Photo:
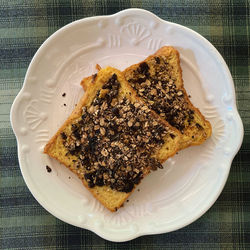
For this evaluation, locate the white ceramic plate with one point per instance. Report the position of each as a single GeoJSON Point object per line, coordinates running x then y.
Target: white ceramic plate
{"type": "Point", "coordinates": [168, 199]}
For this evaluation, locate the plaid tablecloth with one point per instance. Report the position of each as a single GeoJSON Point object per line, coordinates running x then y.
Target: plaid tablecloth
{"type": "Point", "coordinates": [24, 25]}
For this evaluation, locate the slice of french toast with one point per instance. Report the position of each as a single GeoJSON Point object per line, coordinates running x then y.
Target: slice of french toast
{"type": "Point", "coordinates": [112, 140]}
{"type": "Point", "coordinates": [158, 81]}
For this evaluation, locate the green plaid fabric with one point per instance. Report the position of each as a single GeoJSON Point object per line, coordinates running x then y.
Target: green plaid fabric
{"type": "Point", "coordinates": [24, 25]}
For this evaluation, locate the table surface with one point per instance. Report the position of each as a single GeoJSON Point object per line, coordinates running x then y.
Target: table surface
{"type": "Point", "coordinates": [24, 25]}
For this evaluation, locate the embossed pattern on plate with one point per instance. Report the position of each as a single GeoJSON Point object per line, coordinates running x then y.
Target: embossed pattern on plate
{"type": "Point", "coordinates": [167, 199]}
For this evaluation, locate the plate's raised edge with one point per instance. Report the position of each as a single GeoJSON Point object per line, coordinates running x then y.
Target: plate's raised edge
{"type": "Point", "coordinates": [234, 111]}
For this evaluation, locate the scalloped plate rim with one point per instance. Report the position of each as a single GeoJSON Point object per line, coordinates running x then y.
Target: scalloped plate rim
{"type": "Point", "coordinates": [234, 111]}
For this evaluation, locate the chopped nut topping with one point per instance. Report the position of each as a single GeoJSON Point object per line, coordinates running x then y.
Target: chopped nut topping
{"type": "Point", "coordinates": [114, 140]}
{"type": "Point", "coordinates": [154, 82]}
{"type": "Point", "coordinates": [96, 127]}
{"type": "Point", "coordinates": [91, 109]}
{"type": "Point", "coordinates": [114, 102]}
{"type": "Point", "coordinates": [153, 92]}
{"type": "Point", "coordinates": [179, 93]}
{"type": "Point", "coordinates": [130, 123]}
{"type": "Point", "coordinates": [104, 152]}
{"type": "Point", "coordinates": [103, 131]}
{"type": "Point", "coordinates": [102, 121]}
{"type": "Point", "coordinates": [155, 123]}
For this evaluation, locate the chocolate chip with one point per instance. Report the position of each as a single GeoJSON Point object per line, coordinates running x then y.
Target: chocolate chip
{"type": "Point", "coordinates": [64, 94]}
{"type": "Point", "coordinates": [140, 80]}
{"type": "Point", "coordinates": [75, 150]}
{"type": "Point", "coordinates": [157, 60]}
{"type": "Point", "coordinates": [99, 182]}
{"type": "Point", "coordinates": [132, 107]}
{"type": "Point", "coordinates": [86, 162]}
{"type": "Point", "coordinates": [111, 82]}
{"type": "Point", "coordinates": [114, 137]}
{"type": "Point", "coordinates": [73, 127]}
{"type": "Point", "coordinates": [198, 126]}
{"type": "Point", "coordinates": [138, 178]}
{"type": "Point", "coordinates": [92, 143]}
{"type": "Point", "coordinates": [129, 185]}
{"type": "Point", "coordinates": [77, 134]}
{"type": "Point", "coordinates": [64, 136]}
{"type": "Point", "coordinates": [48, 169]}
{"type": "Point", "coordinates": [115, 111]}
{"type": "Point", "coordinates": [89, 178]}
{"type": "Point", "coordinates": [143, 68]}
{"type": "Point", "coordinates": [172, 136]}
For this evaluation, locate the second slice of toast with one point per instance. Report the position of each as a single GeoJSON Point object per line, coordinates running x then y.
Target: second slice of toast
{"type": "Point", "coordinates": [112, 140]}
{"type": "Point", "coordinates": [158, 81]}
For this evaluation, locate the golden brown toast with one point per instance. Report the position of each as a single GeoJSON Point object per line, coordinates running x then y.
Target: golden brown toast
{"type": "Point", "coordinates": [112, 140]}
{"type": "Point", "coordinates": [158, 81]}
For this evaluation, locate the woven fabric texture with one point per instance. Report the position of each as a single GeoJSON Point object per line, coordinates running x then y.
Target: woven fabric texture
{"type": "Point", "coordinates": [24, 26]}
